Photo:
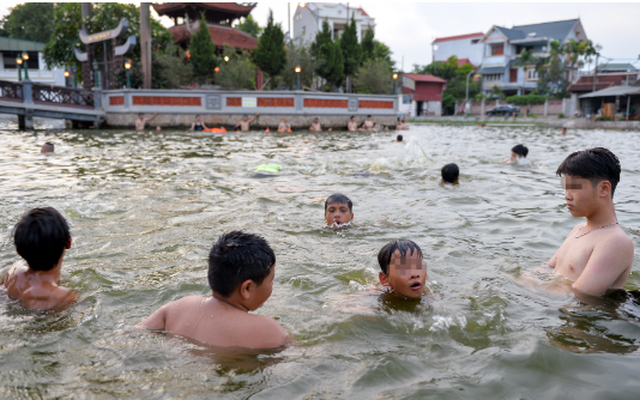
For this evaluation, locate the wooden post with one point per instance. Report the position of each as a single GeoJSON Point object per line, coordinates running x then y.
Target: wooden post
{"type": "Point", "coordinates": [145, 45]}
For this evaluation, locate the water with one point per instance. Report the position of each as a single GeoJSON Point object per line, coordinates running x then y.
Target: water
{"type": "Point", "coordinates": [144, 209]}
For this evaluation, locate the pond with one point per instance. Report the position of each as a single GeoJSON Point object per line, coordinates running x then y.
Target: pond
{"type": "Point", "coordinates": [144, 209]}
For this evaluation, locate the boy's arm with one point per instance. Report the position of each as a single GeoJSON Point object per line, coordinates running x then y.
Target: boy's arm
{"type": "Point", "coordinates": [156, 320]}
{"type": "Point", "coordinates": [254, 118]}
{"type": "Point", "coordinates": [193, 124]}
{"type": "Point", "coordinates": [151, 117]}
{"type": "Point", "coordinates": [611, 258]}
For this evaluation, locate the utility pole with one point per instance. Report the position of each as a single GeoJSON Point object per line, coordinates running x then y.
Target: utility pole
{"type": "Point", "coordinates": [145, 45]}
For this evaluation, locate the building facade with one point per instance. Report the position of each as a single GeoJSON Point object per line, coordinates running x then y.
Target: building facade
{"type": "Point", "coordinates": [502, 48]}
{"type": "Point", "coordinates": [467, 46]}
{"type": "Point", "coordinates": [10, 49]}
{"type": "Point", "coordinates": [308, 18]}
{"type": "Point", "coordinates": [421, 94]}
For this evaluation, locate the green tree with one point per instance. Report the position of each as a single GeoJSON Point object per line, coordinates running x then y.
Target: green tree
{"type": "Point", "coordinates": [203, 52]}
{"type": "Point", "coordinates": [270, 54]}
{"type": "Point", "coordinates": [552, 71]}
{"type": "Point", "coordinates": [332, 63]}
{"type": "Point", "coordinates": [29, 21]}
{"type": "Point", "coordinates": [525, 60]}
{"type": "Point", "coordinates": [322, 37]}
{"type": "Point", "coordinates": [250, 26]}
{"type": "Point", "coordinates": [445, 70]}
{"type": "Point", "coordinates": [67, 21]}
{"type": "Point", "coordinates": [351, 49]}
{"type": "Point", "coordinates": [373, 49]}
{"type": "Point", "coordinates": [237, 73]}
{"type": "Point", "coordinates": [374, 77]}
{"type": "Point", "coordinates": [298, 54]}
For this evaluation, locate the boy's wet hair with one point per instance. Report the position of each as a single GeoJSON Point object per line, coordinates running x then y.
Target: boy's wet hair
{"type": "Point", "coordinates": [49, 147]}
{"type": "Point", "coordinates": [338, 198]}
{"type": "Point", "coordinates": [450, 173]}
{"type": "Point", "coordinates": [520, 150]}
{"type": "Point", "coordinates": [40, 237]}
{"type": "Point", "coordinates": [404, 246]}
{"type": "Point", "coordinates": [399, 138]}
{"type": "Point", "coordinates": [595, 164]}
{"type": "Point", "coordinates": [236, 257]}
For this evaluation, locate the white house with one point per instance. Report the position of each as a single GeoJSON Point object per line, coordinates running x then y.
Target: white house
{"type": "Point", "coordinates": [502, 47]}
{"type": "Point", "coordinates": [308, 18]}
{"type": "Point", "coordinates": [467, 46]}
{"type": "Point", "coordinates": [10, 49]}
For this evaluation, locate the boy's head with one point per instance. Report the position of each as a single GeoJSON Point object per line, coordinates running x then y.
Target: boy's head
{"type": "Point", "coordinates": [399, 138]}
{"type": "Point", "coordinates": [48, 147]}
{"type": "Point", "coordinates": [450, 173]}
{"type": "Point", "coordinates": [338, 209]}
{"type": "Point", "coordinates": [403, 268]}
{"type": "Point", "coordinates": [596, 165]}
{"type": "Point", "coordinates": [368, 117]}
{"type": "Point", "coordinates": [316, 120]}
{"type": "Point", "coordinates": [520, 150]}
{"type": "Point", "coordinates": [239, 259]}
{"type": "Point", "coordinates": [141, 115]}
{"type": "Point", "coordinates": [41, 236]}
{"type": "Point", "coordinates": [353, 118]}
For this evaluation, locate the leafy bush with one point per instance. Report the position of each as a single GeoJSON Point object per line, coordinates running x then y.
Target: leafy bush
{"type": "Point", "coordinates": [526, 99]}
{"type": "Point", "coordinates": [561, 115]}
{"type": "Point", "coordinates": [237, 73]}
{"type": "Point", "coordinates": [533, 115]}
{"type": "Point", "coordinates": [374, 77]}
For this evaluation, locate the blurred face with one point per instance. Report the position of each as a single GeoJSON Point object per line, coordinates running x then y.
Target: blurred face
{"type": "Point", "coordinates": [263, 291]}
{"type": "Point", "coordinates": [315, 121]}
{"type": "Point", "coordinates": [407, 275]}
{"type": "Point", "coordinates": [245, 118]}
{"type": "Point", "coordinates": [579, 194]}
{"type": "Point", "coordinates": [286, 119]}
{"type": "Point", "coordinates": [338, 214]}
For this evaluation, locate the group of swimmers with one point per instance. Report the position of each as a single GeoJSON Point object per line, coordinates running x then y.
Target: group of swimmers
{"type": "Point", "coordinates": [596, 256]}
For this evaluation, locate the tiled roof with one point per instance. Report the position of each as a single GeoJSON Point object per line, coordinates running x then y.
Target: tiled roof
{"type": "Point", "coordinates": [364, 14]}
{"type": "Point", "coordinates": [467, 36]}
{"type": "Point", "coordinates": [219, 36]}
{"type": "Point", "coordinates": [463, 61]}
{"type": "Point", "coordinates": [424, 78]}
{"type": "Point", "coordinates": [555, 30]}
{"type": "Point", "coordinates": [587, 87]}
{"type": "Point", "coordinates": [617, 66]}
{"type": "Point", "coordinates": [222, 11]}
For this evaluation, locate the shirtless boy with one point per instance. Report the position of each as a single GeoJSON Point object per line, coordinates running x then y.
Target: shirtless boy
{"type": "Point", "coordinates": [450, 173]}
{"type": "Point", "coordinates": [141, 121]}
{"type": "Point", "coordinates": [315, 125]}
{"type": "Point", "coordinates": [338, 210]}
{"type": "Point", "coordinates": [241, 272]}
{"type": "Point", "coordinates": [597, 255]}
{"type": "Point", "coordinates": [368, 124]}
{"type": "Point", "coordinates": [352, 125]}
{"type": "Point", "coordinates": [244, 124]}
{"type": "Point", "coordinates": [518, 153]}
{"type": "Point", "coordinates": [41, 238]}
{"type": "Point", "coordinates": [284, 125]}
{"type": "Point", "coordinates": [198, 125]}
{"type": "Point", "coordinates": [403, 269]}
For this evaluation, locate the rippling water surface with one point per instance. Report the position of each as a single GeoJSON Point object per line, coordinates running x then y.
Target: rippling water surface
{"type": "Point", "coordinates": [145, 208]}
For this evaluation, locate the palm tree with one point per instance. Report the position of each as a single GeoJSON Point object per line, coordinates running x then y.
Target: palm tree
{"type": "Point", "coordinates": [526, 58]}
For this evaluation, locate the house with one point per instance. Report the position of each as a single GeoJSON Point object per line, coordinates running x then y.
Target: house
{"type": "Point", "coordinates": [502, 46]}
{"type": "Point", "coordinates": [38, 72]}
{"type": "Point", "coordinates": [219, 17]}
{"type": "Point", "coordinates": [466, 47]}
{"type": "Point", "coordinates": [308, 19]}
{"type": "Point", "coordinates": [421, 94]}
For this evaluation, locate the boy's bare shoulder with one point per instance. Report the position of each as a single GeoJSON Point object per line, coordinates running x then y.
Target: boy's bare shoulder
{"type": "Point", "coordinates": [270, 330]}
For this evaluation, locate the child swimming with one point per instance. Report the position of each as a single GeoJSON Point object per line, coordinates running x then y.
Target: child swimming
{"type": "Point", "coordinates": [241, 272]}
{"type": "Point", "coordinates": [338, 210]}
{"type": "Point", "coordinates": [403, 268]}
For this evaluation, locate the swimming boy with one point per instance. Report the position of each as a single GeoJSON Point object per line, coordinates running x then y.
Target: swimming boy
{"type": "Point", "coordinates": [338, 210]}
{"type": "Point", "coordinates": [241, 272]}
{"type": "Point", "coordinates": [198, 125]}
{"type": "Point", "coordinates": [518, 154]}
{"type": "Point", "coordinates": [284, 125]}
{"type": "Point", "coordinates": [141, 121]}
{"type": "Point", "coordinates": [403, 269]}
{"type": "Point", "coordinates": [244, 124]}
{"type": "Point", "coordinates": [450, 173]}
{"type": "Point", "coordinates": [315, 125]}
{"type": "Point", "coordinates": [352, 125]}
{"type": "Point", "coordinates": [399, 138]}
{"type": "Point", "coordinates": [48, 147]}
{"type": "Point", "coordinates": [368, 124]}
{"type": "Point", "coordinates": [41, 238]}
{"type": "Point", "coordinates": [597, 255]}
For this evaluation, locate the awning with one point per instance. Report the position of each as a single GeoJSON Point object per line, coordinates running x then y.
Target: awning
{"type": "Point", "coordinates": [7, 44]}
{"type": "Point", "coordinates": [614, 91]}
{"type": "Point", "coordinates": [491, 70]}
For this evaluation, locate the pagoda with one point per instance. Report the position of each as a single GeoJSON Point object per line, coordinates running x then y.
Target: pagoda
{"type": "Point", "coordinates": [219, 18]}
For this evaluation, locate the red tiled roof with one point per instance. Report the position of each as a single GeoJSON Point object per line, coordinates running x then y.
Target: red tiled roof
{"type": "Point", "coordinates": [587, 87]}
{"type": "Point", "coordinates": [362, 12]}
{"type": "Point", "coordinates": [468, 36]}
{"type": "Point", "coordinates": [214, 12]}
{"type": "Point", "coordinates": [463, 61]}
{"type": "Point", "coordinates": [425, 78]}
{"type": "Point", "coordinates": [219, 36]}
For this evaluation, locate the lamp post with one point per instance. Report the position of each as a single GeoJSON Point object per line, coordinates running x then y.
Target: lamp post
{"type": "Point", "coordinates": [75, 76]}
{"type": "Point", "coordinates": [127, 66]}
{"type": "Point", "coordinates": [466, 99]}
{"type": "Point", "coordinates": [95, 73]}
{"type": "Point", "coordinates": [19, 62]}
{"type": "Point", "coordinates": [66, 77]}
{"type": "Point", "coordinates": [395, 79]}
{"type": "Point", "coordinates": [25, 57]}
{"type": "Point", "coordinates": [298, 70]}
{"type": "Point", "coordinates": [226, 58]}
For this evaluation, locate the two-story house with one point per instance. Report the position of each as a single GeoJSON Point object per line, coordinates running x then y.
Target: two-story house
{"type": "Point", "coordinates": [466, 47]}
{"type": "Point", "coordinates": [308, 19]}
{"type": "Point", "coordinates": [502, 47]}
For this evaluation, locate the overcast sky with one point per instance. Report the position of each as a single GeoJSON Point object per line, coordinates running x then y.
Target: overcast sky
{"type": "Point", "coordinates": [408, 28]}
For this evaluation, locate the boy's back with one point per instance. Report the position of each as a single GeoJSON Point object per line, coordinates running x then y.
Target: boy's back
{"type": "Point", "coordinates": [212, 321]}
{"type": "Point", "coordinates": [34, 290]}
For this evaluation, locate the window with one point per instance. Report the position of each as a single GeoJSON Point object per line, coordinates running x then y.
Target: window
{"type": "Point", "coordinates": [497, 49]}
{"type": "Point", "coordinates": [532, 74]}
{"type": "Point", "coordinates": [475, 41]}
{"type": "Point", "coordinates": [513, 75]}
{"type": "Point", "coordinates": [493, 77]}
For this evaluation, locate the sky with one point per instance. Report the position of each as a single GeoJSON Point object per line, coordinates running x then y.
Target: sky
{"type": "Point", "coordinates": [408, 28]}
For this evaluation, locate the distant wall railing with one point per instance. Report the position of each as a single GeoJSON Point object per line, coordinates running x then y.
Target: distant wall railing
{"type": "Point", "coordinates": [246, 102]}
{"type": "Point", "coordinates": [11, 91]}
{"type": "Point", "coordinates": [62, 95]}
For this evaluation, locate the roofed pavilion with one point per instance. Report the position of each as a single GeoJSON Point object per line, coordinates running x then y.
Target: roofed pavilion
{"type": "Point", "coordinates": [219, 18]}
